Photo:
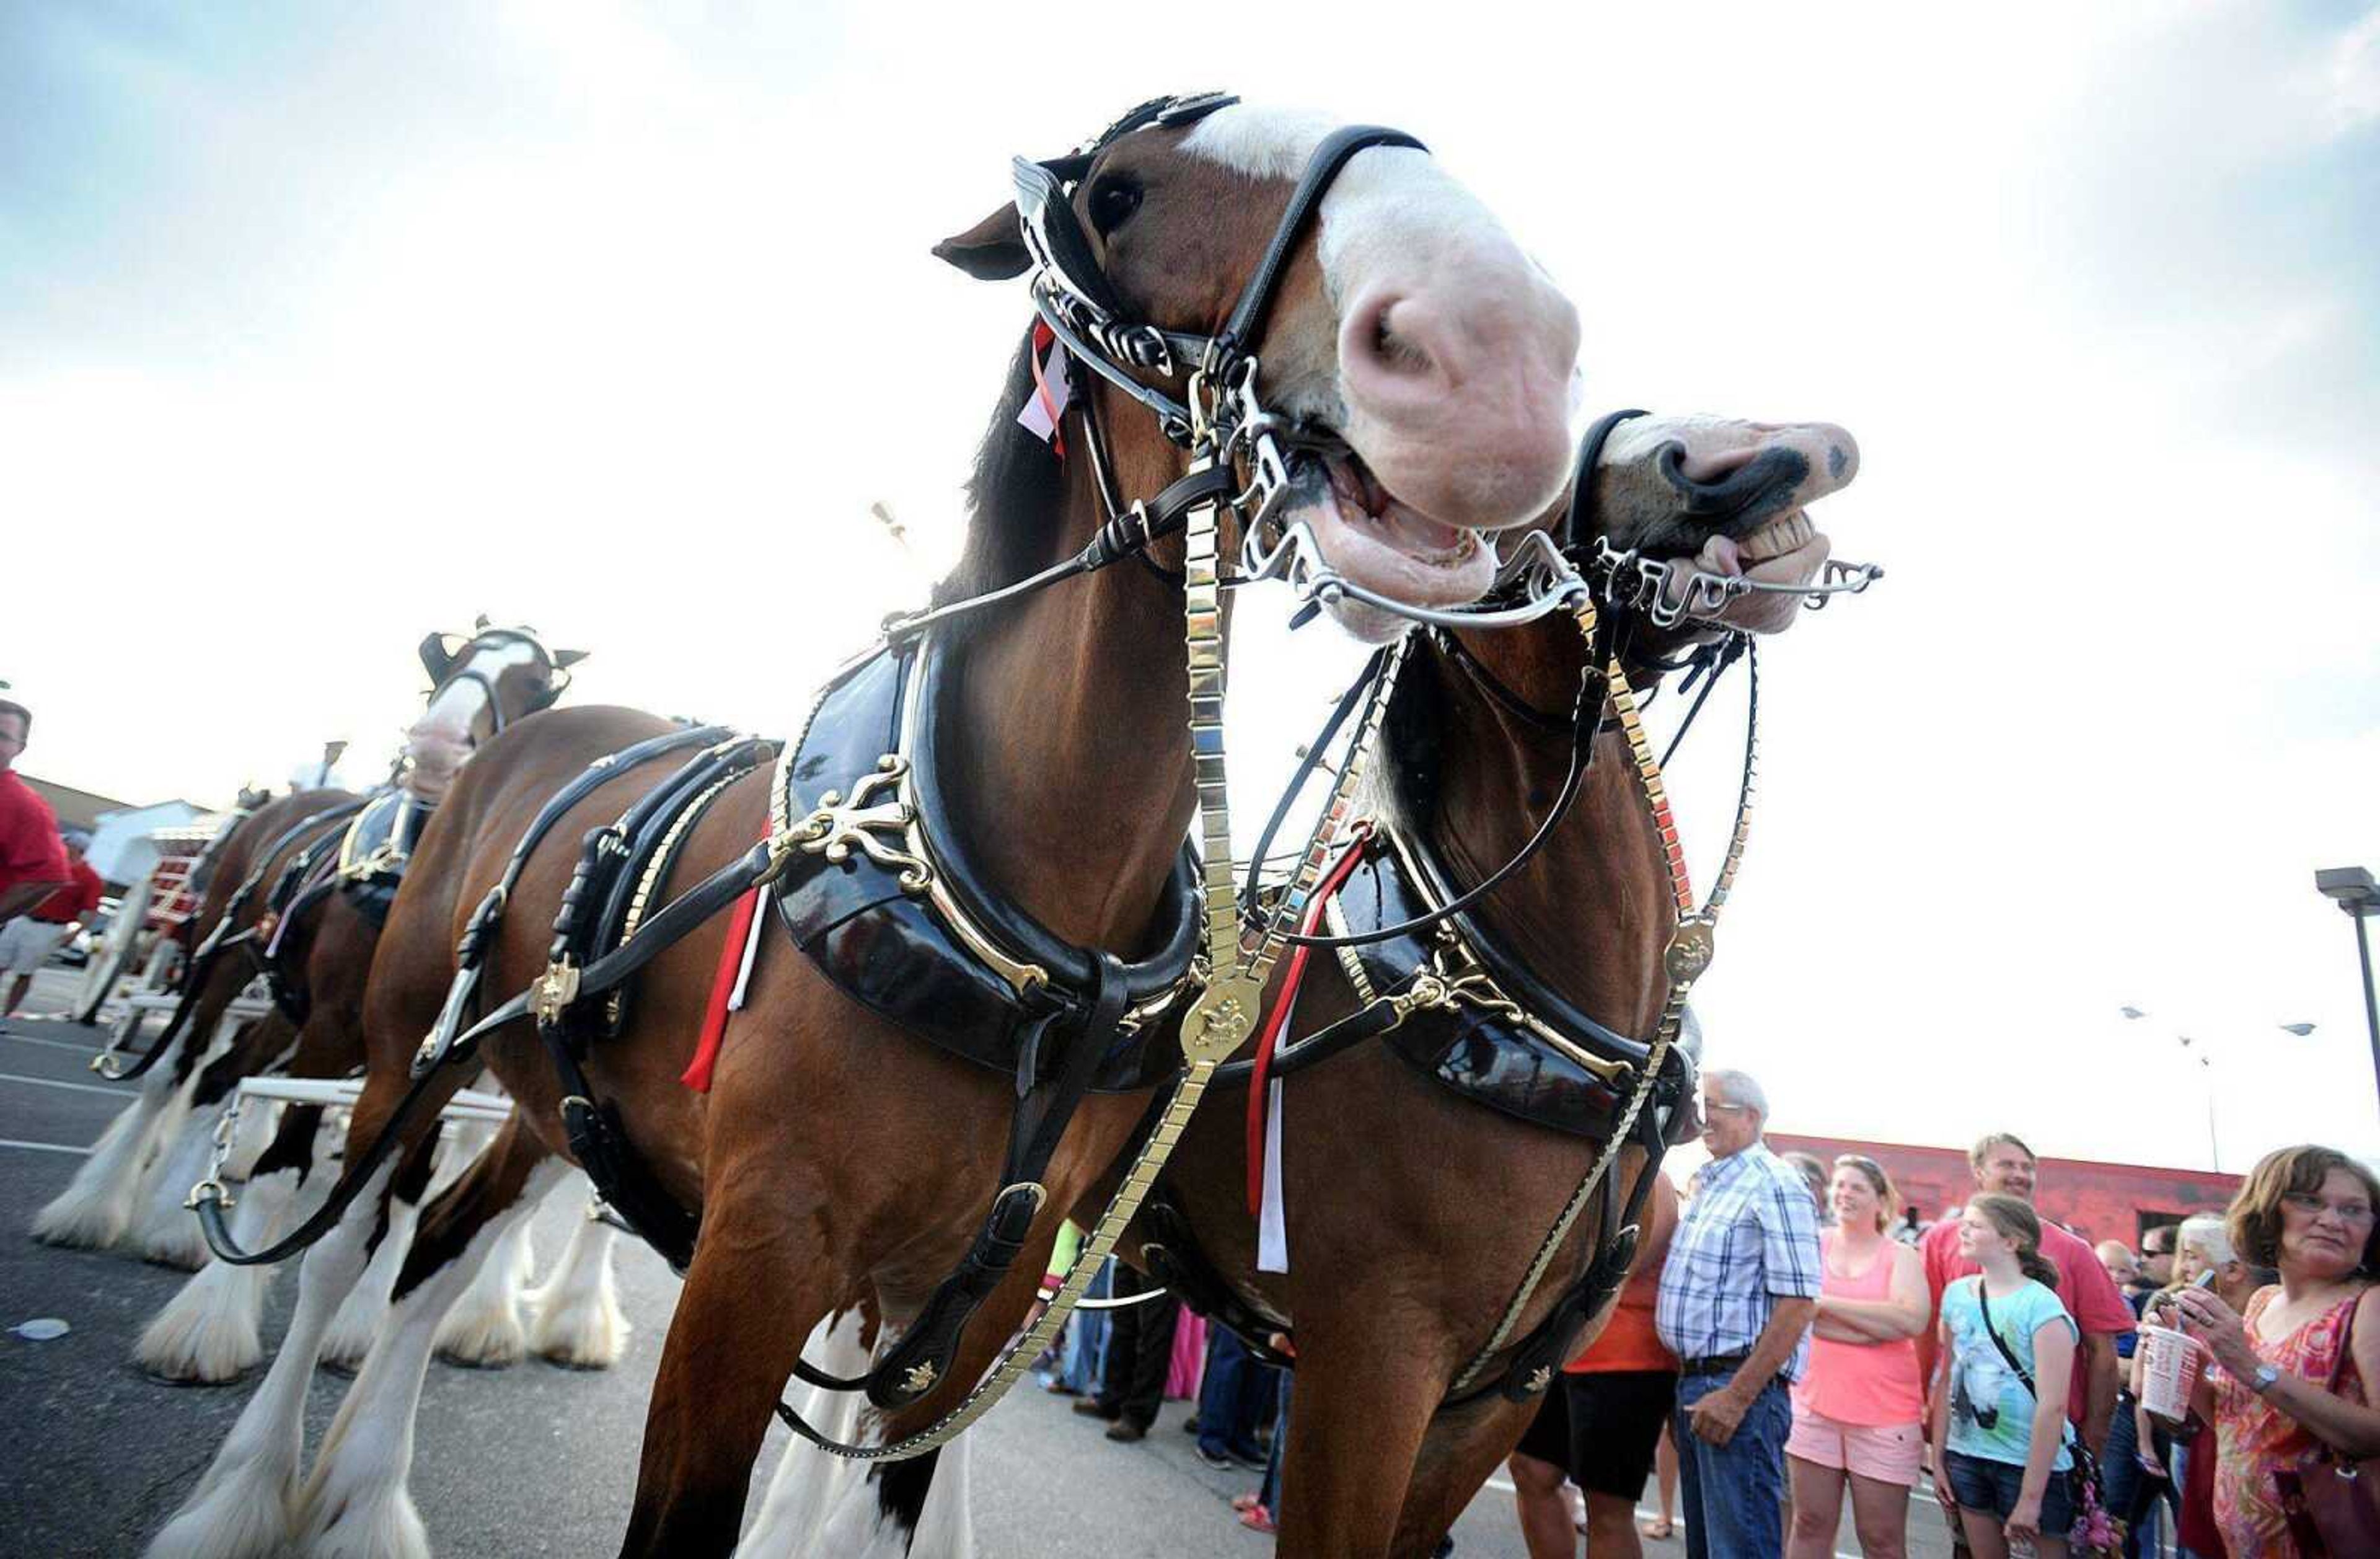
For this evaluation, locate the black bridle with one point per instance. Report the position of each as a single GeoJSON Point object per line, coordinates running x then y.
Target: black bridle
{"type": "Point", "coordinates": [1082, 310]}
{"type": "Point", "coordinates": [1218, 417]}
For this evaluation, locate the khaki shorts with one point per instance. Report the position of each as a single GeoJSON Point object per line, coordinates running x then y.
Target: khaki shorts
{"type": "Point", "coordinates": [25, 944]}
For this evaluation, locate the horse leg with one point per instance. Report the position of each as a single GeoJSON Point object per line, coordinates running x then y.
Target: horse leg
{"type": "Point", "coordinates": [810, 1484]}
{"type": "Point", "coordinates": [482, 1329]}
{"type": "Point", "coordinates": [920, 1507]}
{"type": "Point", "coordinates": [1461, 1448]}
{"type": "Point", "coordinates": [208, 1332]}
{"type": "Point", "coordinates": [579, 1322]}
{"type": "Point", "coordinates": [208, 1032]}
{"type": "Point", "coordinates": [356, 1501]}
{"type": "Point", "coordinates": [169, 1235]}
{"type": "Point", "coordinates": [96, 1207]}
{"type": "Point", "coordinates": [93, 1211]}
{"type": "Point", "coordinates": [1356, 1427]}
{"type": "Point", "coordinates": [352, 1331]}
{"type": "Point", "coordinates": [244, 1505]}
{"type": "Point", "coordinates": [752, 1295]}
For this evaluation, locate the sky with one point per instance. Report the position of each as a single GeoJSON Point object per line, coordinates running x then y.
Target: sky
{"type": "Point", "coordinates": [325, 328]}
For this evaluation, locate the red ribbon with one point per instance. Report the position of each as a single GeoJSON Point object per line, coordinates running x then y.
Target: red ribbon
{"type": "Point", "coordinates": [1278, 1019]}
{"type": "Point", "coordinates": [696, 1075]}
{"type": "Point", "coordinates": [1043, 337]}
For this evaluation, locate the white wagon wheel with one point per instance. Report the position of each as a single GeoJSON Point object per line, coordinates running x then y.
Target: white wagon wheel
{"type": "Point", "coordinates": [116, 953]}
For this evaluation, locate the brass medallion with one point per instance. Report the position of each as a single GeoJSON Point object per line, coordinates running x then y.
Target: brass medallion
{"type": "Point", "coordinates": [1221, 1018]}
{"type": "Point", "coordinates": [1689, 951]}
{"type": "Point", "coordinates": [837, 826]}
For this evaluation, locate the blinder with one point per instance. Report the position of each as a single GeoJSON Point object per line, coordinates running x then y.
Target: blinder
{"type": "Point", "coordinates": [1082, 308]}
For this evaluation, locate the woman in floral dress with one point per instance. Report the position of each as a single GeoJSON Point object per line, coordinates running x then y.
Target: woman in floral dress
{"type": "Point", "coordinates": [2278, 1384]}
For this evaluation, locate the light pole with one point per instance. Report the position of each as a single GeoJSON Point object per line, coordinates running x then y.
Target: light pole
{"type": "Point", "coordinates": [2350, 887]}
{"type": "Point", "coordinates": [2206, 1068]}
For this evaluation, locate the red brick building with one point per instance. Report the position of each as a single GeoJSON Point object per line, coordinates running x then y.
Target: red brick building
{"type": "Point", "coordinates": [2096, 1200]}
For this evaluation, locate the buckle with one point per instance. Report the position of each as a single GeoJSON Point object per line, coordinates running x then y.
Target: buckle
{"type": "Point", "coordinates": [555, 990]}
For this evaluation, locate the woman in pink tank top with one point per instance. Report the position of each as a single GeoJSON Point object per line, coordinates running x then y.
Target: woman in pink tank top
{"type": "Point", "coordinates": [1859, 1406]}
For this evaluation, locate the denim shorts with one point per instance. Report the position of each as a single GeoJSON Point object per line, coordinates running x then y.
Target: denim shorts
{"type": "Point", "coordinates": [1991, 1487]}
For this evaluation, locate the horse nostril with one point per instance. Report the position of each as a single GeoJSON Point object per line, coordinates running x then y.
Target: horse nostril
{"type": "Point", "coordinates": [1386, 334]}
{"type": "Point", "coordinates": [1395, 350]}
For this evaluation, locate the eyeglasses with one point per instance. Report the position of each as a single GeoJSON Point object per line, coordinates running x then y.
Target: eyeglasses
{"type": "Point", "coordinates": [2313, 1206]}
{"type": "Point", "coordinates": [1711, 1106]}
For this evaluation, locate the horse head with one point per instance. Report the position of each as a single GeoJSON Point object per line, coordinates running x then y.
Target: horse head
{"type": "Point", "coordinates": [1418, 366]}
{"type": "Point", "coordinates": [1724, 496]}
{"type": "Point", "coordinates": [480, 685]}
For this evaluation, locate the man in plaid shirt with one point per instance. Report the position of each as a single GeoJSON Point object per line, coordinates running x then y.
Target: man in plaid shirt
{"type": "Point", "coordinates": [1738, 1293]}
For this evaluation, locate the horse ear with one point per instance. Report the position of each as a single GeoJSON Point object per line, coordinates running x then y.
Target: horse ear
{"type": "Point", "coordinates": [991, 251]}
{"type": "Point", "coordinates": [436, 659]}
{"type": "Point", "coordinates": [568, 657]}
{"type": "Point", "coordinates": [482, 626]}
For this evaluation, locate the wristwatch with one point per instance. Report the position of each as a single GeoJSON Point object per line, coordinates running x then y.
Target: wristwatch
{"type": "Point", "coordinates": [2266, 1377]}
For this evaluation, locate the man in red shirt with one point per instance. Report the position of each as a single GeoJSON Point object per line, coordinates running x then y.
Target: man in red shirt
{"type": "Point", "coordinates": [32, 858]}
{"type": "Point", "coordinates": [2002, 1163]}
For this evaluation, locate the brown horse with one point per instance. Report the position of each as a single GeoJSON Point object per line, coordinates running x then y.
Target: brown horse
{"type": "Point", "coordinates": [837, 1161]}
{"type": "Point", "coordinates": [320, 949]}
{"type": "Point", "coordinates": [1403, 1261]}
{"type": "Point", "coordinates": [1400, 1262]}
{"type": "Point", "coordinates": [97, 1206]}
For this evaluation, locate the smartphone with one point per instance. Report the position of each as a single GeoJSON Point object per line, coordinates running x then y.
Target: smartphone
{"type": "Point", "coordinates": [2167, 1302]}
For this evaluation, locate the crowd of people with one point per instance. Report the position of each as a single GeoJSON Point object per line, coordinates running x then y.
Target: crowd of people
{"type": "Point", "coordinates": [1801, 1340]}
{"type": "Point", "coordinates": [1793, 1339]}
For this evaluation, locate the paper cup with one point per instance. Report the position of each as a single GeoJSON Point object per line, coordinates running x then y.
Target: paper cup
{"type": "Point", "coordinates": [2170, 1365]}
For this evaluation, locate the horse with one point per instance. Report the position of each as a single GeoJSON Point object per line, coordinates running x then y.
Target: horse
{"type": "Point", "coordinates": [1396, 1275]}
{"type": "Point", "coordinates": [835, 1161]}
{"type": "Point", "coordinates": [96, 1209]}
{"type": "Point", "coordinates": [297, 895]}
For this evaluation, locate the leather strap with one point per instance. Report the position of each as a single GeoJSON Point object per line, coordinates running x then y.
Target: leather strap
{"type": "Point", "coordinates": [919, 1360]}
{"type": "Point", "coordinates": [1321, 171]}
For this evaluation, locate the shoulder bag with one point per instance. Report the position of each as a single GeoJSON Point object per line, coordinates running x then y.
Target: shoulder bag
{"type": "Point", "coordinates": [2331, 1508]}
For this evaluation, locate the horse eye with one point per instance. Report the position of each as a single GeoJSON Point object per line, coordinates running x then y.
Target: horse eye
{"type": "Point", "coordinates": [1112, 201]}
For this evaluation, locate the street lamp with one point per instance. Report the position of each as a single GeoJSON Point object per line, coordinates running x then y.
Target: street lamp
{"type": "Point", "coordinates": [2352, 887]}
{"type": "Point", "coordinates": [2207, 1066]}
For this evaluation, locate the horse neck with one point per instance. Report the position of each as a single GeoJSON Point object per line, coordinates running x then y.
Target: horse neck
{"type": "Point", "coordinates": [1072, 740]}
{"type": "Point", "coordinates": [1591, 911]}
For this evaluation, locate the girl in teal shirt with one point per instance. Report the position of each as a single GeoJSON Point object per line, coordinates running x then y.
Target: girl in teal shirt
{"type": "Point", "coordinates": [2000, 1445]}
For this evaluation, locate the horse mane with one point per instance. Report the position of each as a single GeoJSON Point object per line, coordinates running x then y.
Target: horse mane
{"type": "Point", "coordinates": [1018, 486]}
{"type": "Point", "coordinates": [1406, 790]}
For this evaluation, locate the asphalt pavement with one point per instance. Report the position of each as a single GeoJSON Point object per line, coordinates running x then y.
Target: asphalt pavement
{"type": "Point", "coordinates": [99, 1454]}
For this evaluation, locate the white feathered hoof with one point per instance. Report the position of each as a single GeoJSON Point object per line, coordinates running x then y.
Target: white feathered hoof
{"type": "Point", "coordinates": [84, 1218]}
{"type": "Point", "coordinates": [484, 1330]}
{"type": "Point", "coordinates": [481, 1336]}
{"type": "Point", "coordinates": [244, 1514]}
{"type": "Point", "coordinates": [94, 1210]}
{"type": "Point", "coordinates": [579, 1323]}
{"type": "Point", "coordinates": [164, 1230]}
{"type": "Point", "coordinates": [174, 1240]}
{"type": "Point", "coordinates": [350, 1335]}
{"type": "Point", "coordinates": [371, 1519]}
{"type": "Point", "coordinates": [206, 1335]}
